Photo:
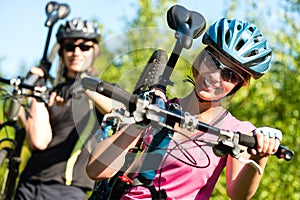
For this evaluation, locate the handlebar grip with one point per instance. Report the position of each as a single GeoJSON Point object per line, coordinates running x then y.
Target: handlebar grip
{"type": "Point", "coordinates": [21, 85]}
{"type": "Point", "coordinates": [247, 140]}
{"type": "Point", "coordinates": [115, 92]}
{"type": "Point", "coordinates": [282, 151]}
{"type": "Point", "coordinates": [31, 79]}
{"type": "Point", "coordinates": [110, 90]}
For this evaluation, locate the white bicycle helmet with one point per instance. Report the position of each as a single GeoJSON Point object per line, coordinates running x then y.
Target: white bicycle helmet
{"type": "Point", "coordinates": [242, 42]}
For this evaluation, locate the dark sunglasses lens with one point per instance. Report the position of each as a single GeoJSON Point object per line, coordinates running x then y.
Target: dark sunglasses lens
{"type": "Point", "coordinates": [216, 62]}
{"type": "Point", "coordinates": [228, 75]}
{"type": "Point", "coordinates": [85, 47]}
{"type": "Point", "coordinates": [71, 47]}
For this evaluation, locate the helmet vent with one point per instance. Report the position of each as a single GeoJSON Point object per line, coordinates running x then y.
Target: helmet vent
{"type": "Point", "coordinates": [219, 38]}
{"type": "Point", "coordinates": [251, 29]}
{"type": "Point", "coordinates": [239, 45]}
{"type": "Point", "coordinates": [252, 53]}
{"type": "Point", "coordinates": [257, 38]}
{"type": "Point", "coordinates": [239, 27]}
{"type": "Point", "coordinates": [227, 37]}
{"type": "Point", "coordinates": [241, 41]}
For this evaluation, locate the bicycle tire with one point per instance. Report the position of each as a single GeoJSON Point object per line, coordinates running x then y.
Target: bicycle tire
{"type": "Point", "coordinates": [152, 71]}
{"type": "Point", "coordinates": [3, 155]}
{"type": "Point", "coordinates": [4, 172]}
{"type": "Point", "coordinates": [149, 77]}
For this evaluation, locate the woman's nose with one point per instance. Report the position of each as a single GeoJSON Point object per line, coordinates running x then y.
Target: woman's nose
{"type": "Point", "coordinates": [77, 50]}
{"type": "Point", "coordinates": [216, 78]}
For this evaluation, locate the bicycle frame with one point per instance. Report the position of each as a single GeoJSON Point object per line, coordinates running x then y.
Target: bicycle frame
{"type": "Point", "coordinates": [13, 153]}
{"type": "Point", "coordinates": [54, 12]}
{"type": "Point", "coordinates": [14, 160]}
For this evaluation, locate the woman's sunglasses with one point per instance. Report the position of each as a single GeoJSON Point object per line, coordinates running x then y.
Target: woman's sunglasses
{"type": "Point", "coordinates": [71, 47]}
{"type": "Point", "coordinates": [227, 73]}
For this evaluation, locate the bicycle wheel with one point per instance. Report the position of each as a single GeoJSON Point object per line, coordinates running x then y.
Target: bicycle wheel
{"type": "Point", "coordinates": [3, 170]}
{"type": "Point", "coordinates": [3, 154]}
{"type": "Point", "coordinates": [10, 168]}
{"type": "Point", "coordinates": [152, 71]}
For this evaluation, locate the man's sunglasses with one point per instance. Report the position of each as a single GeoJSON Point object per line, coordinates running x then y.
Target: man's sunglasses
{"type": "Point", "coordinates": [227, 73]}
{"type": "Point", "coordinates": [71, 47]}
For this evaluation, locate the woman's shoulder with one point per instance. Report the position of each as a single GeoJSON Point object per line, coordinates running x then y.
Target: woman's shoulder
{"type": "Point", "coordinates": [238, 125]}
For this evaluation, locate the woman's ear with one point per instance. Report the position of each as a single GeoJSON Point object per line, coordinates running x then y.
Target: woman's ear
{"type": "Point", "coordinates": [96, 50]}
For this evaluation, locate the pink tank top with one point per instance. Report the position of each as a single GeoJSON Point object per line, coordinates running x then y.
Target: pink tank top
{"type": "Point", "coordinates": [191, 170]}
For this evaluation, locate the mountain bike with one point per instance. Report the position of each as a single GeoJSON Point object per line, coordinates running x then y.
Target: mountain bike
{"type": "Point", "coordinates": [143, 107]}
{"type": "Point", "coordinates": [24, 87]}
{"type": "Point", "coordinates": [188, 26]}
{"type": "Point", "coordinates": [143, 110]}
{"type": "Point", "coordinates": [14, 133]}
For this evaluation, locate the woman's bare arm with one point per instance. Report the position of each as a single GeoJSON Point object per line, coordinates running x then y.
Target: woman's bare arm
{"type": "Point", "coordinates": [38, 128]}
{"type": "Point", "coordinates": [109, 155]}
{"type": "Point", "coordinates": [104, 104]}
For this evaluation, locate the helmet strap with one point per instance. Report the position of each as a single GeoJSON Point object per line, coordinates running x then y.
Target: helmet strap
{"type": "Point", "coordinates": [235, 89]}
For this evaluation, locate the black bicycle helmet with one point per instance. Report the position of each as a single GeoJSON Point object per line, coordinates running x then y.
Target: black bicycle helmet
{"type": "Point", "coordinates": [78, 28]}
{"type": "Point", "coordinates": [242, 42]}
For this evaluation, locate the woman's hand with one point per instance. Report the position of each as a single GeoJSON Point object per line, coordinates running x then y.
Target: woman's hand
{"type": "Point", "coordinates": [160, 94]}
{"type": "Point", "coordinates": [54, 98]}
{"type": "Point", "coordinates": [61, 93]}
{"type": "Point", "coordinates": [268, 140]}
{"type": "Point", "coordinates": [38, 71]}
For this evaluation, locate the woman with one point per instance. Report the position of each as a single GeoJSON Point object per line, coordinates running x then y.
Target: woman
{"type": "Point", "coordinates": [235, 52]}
{"type": "Point", "coordinates": [59, 132]}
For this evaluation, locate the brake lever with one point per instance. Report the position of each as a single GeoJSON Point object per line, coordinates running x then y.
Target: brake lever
{"type": "Point", "coordinates": [225, 147]}
{"type": "Point", "coordinates": [228, 144]}
{"type": "Point", "coordinates": [251, 162]}
{"type": "Point", "coordinates": [120, 115]}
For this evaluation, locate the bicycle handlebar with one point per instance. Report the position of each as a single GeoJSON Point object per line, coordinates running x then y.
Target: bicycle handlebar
{"type": "Point", "coordinates": [133, 102]}
{"type": "Point", "coordinates": [17, 83]}
{"type": "Point", "coordinates": [20, 89]}
{"type": "Point", "coordinates": [111, 90]}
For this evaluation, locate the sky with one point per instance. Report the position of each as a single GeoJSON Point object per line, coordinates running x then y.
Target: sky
{"type": "Point", "coordinates": [23, 30]}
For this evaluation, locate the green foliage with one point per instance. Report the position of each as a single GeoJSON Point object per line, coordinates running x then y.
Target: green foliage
{"type": "Point", "coordinates": [270, 101]}
{"type": "Point", "coordinates": [273, 100]}
{"type": "Point", "coordinates": [125, 55]}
